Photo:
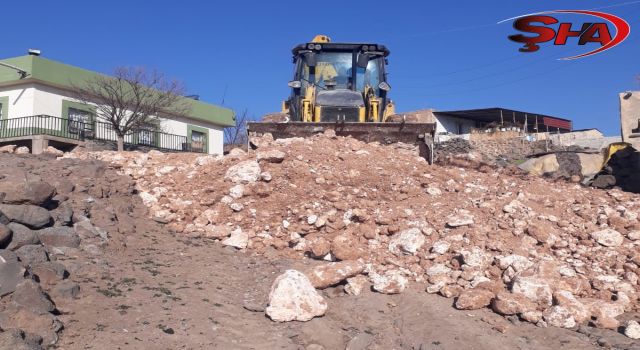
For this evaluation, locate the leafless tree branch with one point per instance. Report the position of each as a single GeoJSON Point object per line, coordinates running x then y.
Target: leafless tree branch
{"type": "Point", "coordinates": [132, 97]}
{"type": "Point", "coordinates": [237, 135]}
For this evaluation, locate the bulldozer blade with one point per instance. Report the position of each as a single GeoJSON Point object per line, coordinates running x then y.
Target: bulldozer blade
{"type": "Point", "coordinates": [419, 134]}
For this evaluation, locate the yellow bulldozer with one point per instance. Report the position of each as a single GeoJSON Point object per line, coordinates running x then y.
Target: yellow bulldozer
{"type": "Point", "coordinates": [343, 86]}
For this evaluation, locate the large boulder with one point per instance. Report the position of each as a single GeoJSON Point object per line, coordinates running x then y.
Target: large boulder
{"type": "Point", "coordinates": [16, 339]}
{"type": "Point", "coordinates": [49, 273]}
{"type": "Point", "coordinates": [559, 316]}
{"type": "Point", "coordinates": [608, 237]}
{"type": "Point", "coordinates": [578, 310]}
{"type": "Point", "coordinates": [44, 325]}
{"type": "Point", "coordinates": [293, 298]}
{"type": "Point", "coordinates": [244, 172]}
{"type": "Point", "coordinates": [32, 254]}
{"type": "Point", "coordinates": [29, 215]}
{"type": "Point", "coordinates": [59, 237]}
{"type": "Point", "coordinates": [8, 149]}
{"type": "Point", "coordinates": [21, 236]}
{"type": "Point", "coordinates": [356, 285]}
{"type": "Point", "coordinates": [461, 218]}
{"type": "Point", "coordinates": [603, 314]}
{"type": "Point", "coordinates": [271, 156]}
{"type": "Point", "coordinates": [22, 150]}
{"type": "Point", "coordinates": [238, 239]}
{"type": "Point", "coordinates": [63, 214]}
{"type": "Point", "coordinates": [407, 242]}
{"type": "Point", "coordinates": [506, 303]}
{"type": "Point", "coordinates": [391, 282]}
{"type": "Point", "coordinates": [534, 288]}
{"type": "Point", "coordinates": [53, 151]}
{"type": "Point", "coordinates": [346, 247]}
{"type": "Point", "coordinates": [632, 329]}
{"type": "Point", "coordinates": [65, 290]}
{"type": "Point", "coordinates": [590, 164]}
{"type": "Point", "coordinates": [546, 164]}
{"type": "Point", "coordinates": [30, 296]}
{"type": "Point", "coordinates": [474, 299]}
{"type": "Point", "coordinates": [33, 192]}
{"type": "Point", "coordinates": [324, 276]}
{"type": "Point", "coordinates": [11, 272]}
{"type": "Point", "coordinates": [5, 235]}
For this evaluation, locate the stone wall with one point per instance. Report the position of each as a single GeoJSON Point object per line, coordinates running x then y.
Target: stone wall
{"type": "Point", "coordinates": [101, 145]}
{"type": "Point", "coordinates": [497, 149]}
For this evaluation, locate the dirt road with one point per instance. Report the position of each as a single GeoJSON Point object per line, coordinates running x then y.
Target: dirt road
{"type": "Point", "coordinates": [161, 292]}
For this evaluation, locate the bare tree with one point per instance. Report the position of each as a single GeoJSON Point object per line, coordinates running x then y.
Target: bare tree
{"type": "Point", "coordinates": [131, 98]}
{"type": "Point", "coordinates": [237, 135]}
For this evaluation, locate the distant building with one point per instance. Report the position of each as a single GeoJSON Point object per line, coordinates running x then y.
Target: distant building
{"type": "Point", "coordinates": [37, 108]}
{"type": "Point", "coordinates": [464, 121]}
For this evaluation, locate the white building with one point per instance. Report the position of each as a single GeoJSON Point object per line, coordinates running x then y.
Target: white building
{"type": "Point", "coordinates": [37, 108]}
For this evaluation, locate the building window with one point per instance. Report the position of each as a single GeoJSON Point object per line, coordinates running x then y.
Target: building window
{"type": "Point", "coordinates": [80, 122]}
{"type": "Point", "coordinates": [146, 135]}
{"type": "Point", "coordinates": [198, 140]}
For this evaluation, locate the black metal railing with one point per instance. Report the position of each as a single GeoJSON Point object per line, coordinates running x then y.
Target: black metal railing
{"type": "Point", "coordinates": [95, 130]}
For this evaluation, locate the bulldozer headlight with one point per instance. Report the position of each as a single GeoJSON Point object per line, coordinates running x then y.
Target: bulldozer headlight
{"type": "Point", "coordinates": [310, 46]}
{"type": "Point", "coordinates": [317, 47]}
{"type": "Point", "coordinates": [384, 86]}
{"type": "Point", "coordinates": [295, 84]}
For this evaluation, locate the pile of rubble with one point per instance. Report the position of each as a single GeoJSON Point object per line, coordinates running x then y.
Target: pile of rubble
{"type": "Point", "coordinates": [379, 216]}
{"type": "Point", "coordinates": [47, 216]}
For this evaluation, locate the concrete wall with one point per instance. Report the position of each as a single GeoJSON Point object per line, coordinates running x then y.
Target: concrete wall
{"type": "Point", "coordinates": [446, 124]}
{"type": "Point", "coordinates": [20, 101]}
{"type": "Point", "coordinates": [38, 99]}
{"type": "Point", "coordinates": [630, 117]}
{"type": "Point", "coordinates": [570, 138]}
{"type": "Point", "coordinates": [48, 101]}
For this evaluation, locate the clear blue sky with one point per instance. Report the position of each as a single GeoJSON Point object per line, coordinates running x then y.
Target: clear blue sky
{"type": "Point", "coordinates": [445, 55]}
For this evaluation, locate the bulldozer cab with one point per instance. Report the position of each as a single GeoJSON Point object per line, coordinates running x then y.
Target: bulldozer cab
{"type": "Point", "coordinates": [340, 75]}
{"type": "Point", "coordinates": [336, 70]}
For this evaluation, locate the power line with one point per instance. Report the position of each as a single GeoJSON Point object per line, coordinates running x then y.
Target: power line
{"type": "Point", "coordinates": [616, 5]}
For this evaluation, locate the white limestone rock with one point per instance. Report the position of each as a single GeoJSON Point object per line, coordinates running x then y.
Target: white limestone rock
{"type": "Point", "coordinates": [407, 242]}
{"type": "Point", "coordinates": [293, 298]}
{"type": "Point", "coordinates": [244, 172]}
{"type": "Point", "coordinates": [608, 237]}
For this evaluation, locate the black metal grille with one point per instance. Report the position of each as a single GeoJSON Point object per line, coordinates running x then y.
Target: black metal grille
{"type": "Point", "coordinates": [332, 114]}
{"type": "Point", "coordinates": [78, 130]}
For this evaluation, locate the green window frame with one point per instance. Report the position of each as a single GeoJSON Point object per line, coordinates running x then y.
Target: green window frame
{"type": "Point", "coordinates": [66, 105]}
{"type": "Point", "coordinates": [205, 131]}
{"type": "Point", "coordinates": [152, 126]}
{"type": "Point", "coordinates": [4, 104]}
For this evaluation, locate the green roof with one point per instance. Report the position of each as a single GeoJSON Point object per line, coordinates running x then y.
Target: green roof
{"type": "Point", "coordinates": [64, 75]}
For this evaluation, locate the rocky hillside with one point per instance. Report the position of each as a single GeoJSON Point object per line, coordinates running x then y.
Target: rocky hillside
{"type": "Point", "coordinates": [50, 212]}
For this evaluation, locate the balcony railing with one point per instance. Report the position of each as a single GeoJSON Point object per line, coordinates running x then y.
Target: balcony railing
{"type": "Point", "coordinates": [81, 131]}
